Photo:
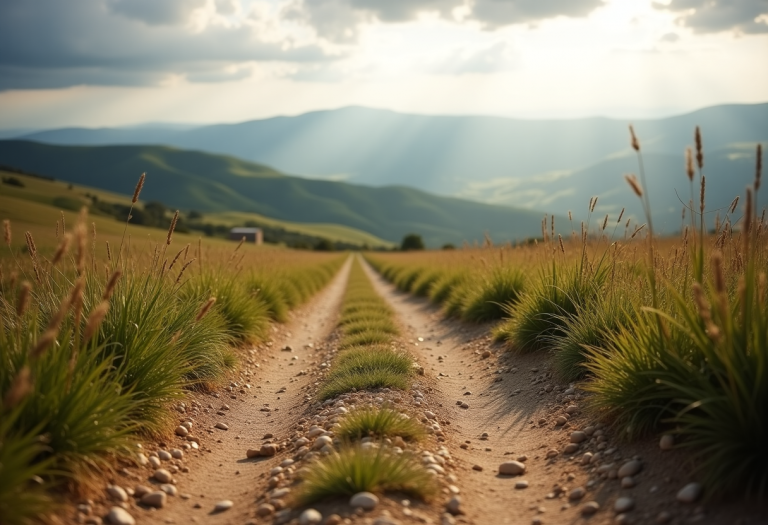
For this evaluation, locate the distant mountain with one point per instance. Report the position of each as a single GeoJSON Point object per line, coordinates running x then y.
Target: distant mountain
{"type": "Point", "coordinates": [487, 159]}
{"type": "Point", "coordinates": [214, 183]}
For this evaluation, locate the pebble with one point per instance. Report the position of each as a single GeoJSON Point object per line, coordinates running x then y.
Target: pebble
{"type": "Point", "coordinates": [176, 453]}
{"type": "Point", "coordinates": [169, 489]}
{"type": "Point", "coordinates": [429, 415]}
{"type": "Point", "coordinates": [120, 516]}
{"type": "Point", "coordinates": [667, 442]}
{"type": "Point", "coordinates": [578, 436]}
{"type": "Point", "coordinates": [690, 493]}
{"type": "Point", "coordinates": [117, 493]}
{"type": "Point", "coordinates": [663, 517]}
{"type": "Point", "coordinates": [590, 508]}
{"type": "Point", "coordinates": [522, 484]}
{"type": "Point", "coordinates": [154, 499]}
{"type": "Point", "coordinates": [511, 468]}
{"type": "Point", "coordinates": [269, 449]}
{"type": "Point", "coordinates": [154, 461]}
{"type": "Point", "coordinates": [366, 500]}
{"type": "Point", "coordinates": [571, 448]}
{"type": "Point", "coordinates": [552, 453]}
{"type": "Point", "coordinates": [627, 482]}
{"type": "Point", "coordinates": [182, 431]}
{"type": "Point", "coordinates": [586, 458]}
{"type": "Point", "coordinates": [140, 490]}
{"type": "Point", "coordinates": [321, 442]}
{"type": "Point", "coordinates": [385, 520]}
{"type": "Point", "coordinates": [623, 504]}
{"type": "Point", "coordinates": [165, 456]}
{"type": "Point", "coordinates": [561, 420]}
{"type": "Point", "coordinates": [310, 517]}
{"type": "Point", "coordinates": [572, 409]}
{"type": "Point", "coordinates": [223, 505]}
{"type": "Point", "coordinates": [333, 519]}
{"type": "Point", "coordinates": [265, 509]}
{"type": "Point", "coordinates": [477, 468]}
{"type": "Point", "coordinates": [222, 426]}
{"type": "Point", "coordinates": [162, 475]}
{"type": "Point", "coordinates": [454, 505]}
{"type": "Point", "coordinates": [630, 468]}
{"type": "Point", "coordinates": [577, 493]}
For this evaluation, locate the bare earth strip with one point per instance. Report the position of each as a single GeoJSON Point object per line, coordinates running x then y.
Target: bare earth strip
{"type": "Point", "coordinates": [512, 404]}
{"type": "Point", "coordinates": [222, 471]}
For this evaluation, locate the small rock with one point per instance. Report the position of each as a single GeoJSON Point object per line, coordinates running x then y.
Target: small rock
{"type": "Point", "coordinates": [310, 517]}
{"type": "Point", "coordinates": [162, 475]}
{"type": "Point", "coordinates": [586, 458]}
{"type": "Point", "coordinates": [265, 509]}
{"type": "Point", "coordinates": [366, 500]}
{"type": "Point", "coordinates": [630, 468]}
{"type": "Point", "coordinates": [385, 520]}
{"type": "Point", "coordinates": [154, 499]}
{"type": "Point", "coordinates": [623, 505]}
{"type": "Point", "coordinates": [486, 354]}
{"type": "Point", "coordinates": [511, 468]}
{"type": "Point", "coordinates": [522, 484]}
{"type": "Point", "coordinates": [690, 493]}
{"type": "Point", "coordinates": [222, 426]}
{"type": "Point", "coordinates": [477, 468]}
{"type": "Point", "coordinates": [627, 482]}
{"type": "Point", "coordinates": [578, 437]}
{"type": "Point", "coordinates": [176, 453]}
{"type": "Point", "coordinates": [663, 517]}
{"type": "Point", "coordinates": [169, 489]}
{"type": "Point", "coordinates": [571, 448]}
{"type": "Point", "coordinates": [572, 409]}
{"type": "Point", "coordinates": [561, 420]}
{"type": "Point", "coordinates": [589, 508]}
{"type": "Point", "coordinates": [321, 442]}
{"type": "Point", "coordinates": [577, 493]}
{"type": "Point", "coordinates": [269, 449]}
{"type": "Point", "coordinates": [140, 490]}
{"type": "Point", "coordinates": [429, 415]}
{"type": "Point", "coordinates": [223, 505]}
{"type": "Point", "coordinates": [252, 453]}
{"type": "Point", "coordinates": [117, 493]}
{"type": "Point", "coordinates": [454, 505]}
{"type": "Point", "coordinates": [667, 442]}
{"type": "Point", "coordinates": [165, 456]}
{"type": "Point", "coordinates": [333, 519]}
{"type": "Point", "coordinates": [552, 452]}
{"type": "Point", "coordinates": [182, 431]}
{"type": "Point", "coordinates": [120, 516]}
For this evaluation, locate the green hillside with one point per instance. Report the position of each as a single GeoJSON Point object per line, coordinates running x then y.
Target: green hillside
{"type": "Point", "coordinates": [23, 203]}
{"type": "Point", "coordinates": [193, 180]}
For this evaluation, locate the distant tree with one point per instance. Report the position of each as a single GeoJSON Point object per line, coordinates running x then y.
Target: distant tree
{"type": "Point", "coordinates": [412, 241]}
{"type": "Point", "coordinates": [448, 246]}
{"type": "Point", "coordinates": [13, 181]}
{"type": "Point", "coordinates": [324, 245]}
{"type": "Point", "coordinates": [194, 214]}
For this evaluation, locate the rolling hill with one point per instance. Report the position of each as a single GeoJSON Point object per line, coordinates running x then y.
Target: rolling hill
{"type": "Point", "coordinates": [217, 184]}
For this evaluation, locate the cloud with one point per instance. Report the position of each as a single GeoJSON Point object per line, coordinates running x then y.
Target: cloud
{"type": "Point", "coordinates": [156, 12]}
{"type": "Point", "coordinates": [53, 44]}
{"type": "Point", "coordinates": [492, 59]}
{"type": "Point", "coordinates": [670, 37]}
{"type": "Point", "coordinates": [714, 16]}
{"type": "Point", "coordinates": [338, 20]}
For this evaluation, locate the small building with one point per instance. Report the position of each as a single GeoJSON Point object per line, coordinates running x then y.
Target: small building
{"type": "Point", "coordinates": [254, 235]}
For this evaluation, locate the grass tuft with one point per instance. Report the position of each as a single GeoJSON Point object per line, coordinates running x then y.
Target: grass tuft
{"type": "Point", "coordinates": [378, 423]}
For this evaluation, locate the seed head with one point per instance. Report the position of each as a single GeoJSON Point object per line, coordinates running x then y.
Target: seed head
{"type": "Point", "coordinates": [113, 280]}
{"type": "Point", "coordinates": [7, 231]}
{"type": "Point", "coordinates": [178, 279]}
{"type": "Point", "coordinates": [632, 181]}
{"type": "Point", "coordinates": [701, 194]}
{"type": "Point", "coordinates": [62, 249]}
{"type": "Point", "coordinates": [31, 248]}
{"type": "Point", "coordinates": [635, 142]}
{"type": "Point", "coordinates": [173, 227]}
{"type": "Point", "coordinates": [699, 149]}
{"type": "Point", "coordinates": [620, 216]}
{"type": "Point", "coordinates": [733, 205]}
{"type": "Point", "coordinates": [689, 163]}
{"type": "Point", "coordinates": [95, 319]}
{"type": "Point", "coordinates": [22, 302]}
{"type": "Point", "coordinates": [718, 273]}
{"type": "Point", "coordinates": [139, 185]}
{"type": "Point", "coordinates": [560, 238]}
{"type": "Point", "coordinates": [204, 310]}
{"type": "Point", "coordinates": [758, 167]}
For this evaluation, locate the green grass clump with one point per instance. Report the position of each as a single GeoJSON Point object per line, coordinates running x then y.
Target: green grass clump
{"type": "Point", "coordinates": [365, 337]}
{"type": "Point", "coordinates": [422, 286]}
{"type": "Point", "coordinates": [366, 368]}
{"type": "Point", "coordinates": [541, 312]}
{"type": "Point", "coordinates": [357, 469]}
{"type": "Point", "coordinates": [445, 284]}
{"type": "Point", "coordinates": [378, 423]}
{"type": "Point", "coordinates": [497, 293]}
{"type": "Point", "coordinates": [363, 325]}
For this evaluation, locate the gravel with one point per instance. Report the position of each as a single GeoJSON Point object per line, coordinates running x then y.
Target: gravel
{"type": "Point", "coordinates": [630, 468]}
{"type": "Point", "coordinates": [623, 504]}
{"type": "Point", "coordinates": [577, 493]}
{"type": "Point", "coordinates": [590, 508]}
{"type": "Point", "coordinates": [578, 437]}
{"type": "Point", "coordinates": [162, 475]}
{"type": "Point", "coordinates": [117, 493]}
{"type": "Point", "coordinates": [310, 517]}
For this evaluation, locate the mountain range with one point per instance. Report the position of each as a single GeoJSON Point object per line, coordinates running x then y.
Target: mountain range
{"type": "Point", "coordinates": [544, 165]}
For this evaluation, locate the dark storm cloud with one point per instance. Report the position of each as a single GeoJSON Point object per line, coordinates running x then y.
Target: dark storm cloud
{"type": "Point", "coordinates": [338, 19]}
{"type": "Point", "coordinates": [51, 44]}
{"type": "Point", "coordinates": [712, 16]}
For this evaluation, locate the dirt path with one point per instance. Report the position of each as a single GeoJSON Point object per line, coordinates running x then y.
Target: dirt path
{"type": "Point", "coordinates": [512, 407]}
{"type": "Point", "coordinates": [221, 471]}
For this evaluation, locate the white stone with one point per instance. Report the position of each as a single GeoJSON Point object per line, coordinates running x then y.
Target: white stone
{"type": "Point", "coordinates": [120, 516]}
{"type": "Point", "coordinates": [366, 500]}
{"type": "Point", "coordinates": [690, 493]}
{"type": "Point", "coordinates": [223, 505]}
{"type": "Point", "coordinates": [182, 431]}
{"type": "Point", "coordinates": [117, 493]}
{"type": "Point", "coordinates": [623, 504]}
{"type": "Point", "coordinates": [630, 468]}
{"type": "Point", "coordinates": [310, 517]}
{"type": "Point", "coordinates": [154, 499]}
{"type": "Point", "coordinates": [222, 426]}
{"type": "Point", "coordinates": [511, 468]}
{"type": "Point", "coordinates": [667, 442]}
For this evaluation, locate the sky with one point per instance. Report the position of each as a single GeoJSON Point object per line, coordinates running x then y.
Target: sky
{"type": "Point", "coordinates": [125, 62]}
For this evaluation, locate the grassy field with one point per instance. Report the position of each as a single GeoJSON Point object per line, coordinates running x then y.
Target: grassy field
{"type": "Point", "coordinates": [101, 332]}
{"type": "Point", "coordinates": [16, 203]}
{"type": "Point", "coordinates": [668, 335]}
